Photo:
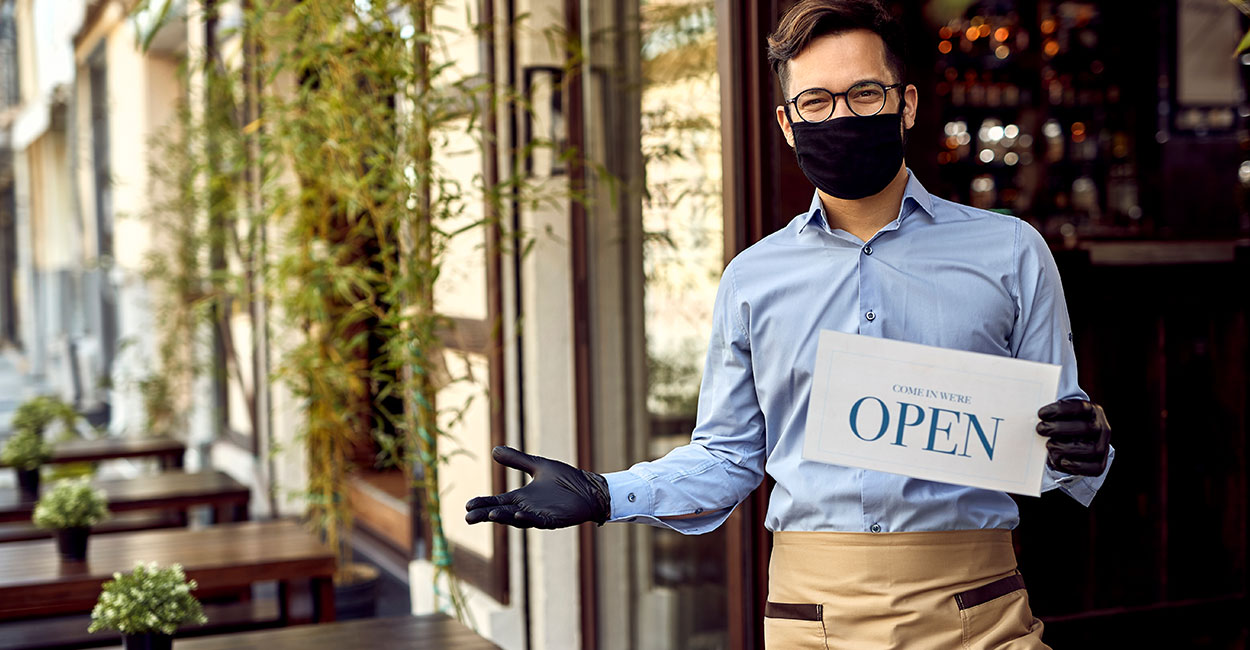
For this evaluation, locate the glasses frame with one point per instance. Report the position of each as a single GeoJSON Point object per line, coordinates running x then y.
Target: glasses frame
{"type": "Point", "coordinates": [884, 88]}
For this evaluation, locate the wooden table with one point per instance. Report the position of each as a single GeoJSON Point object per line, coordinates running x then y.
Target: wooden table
{"type": "Point", "coordinates": [168, 452]}
{"type": "Point", "coordinates": [34, 582]}
{"type": "Point", "coordinates": [429, 632]}
{"type": "Point", "coordinates": [166, 491]}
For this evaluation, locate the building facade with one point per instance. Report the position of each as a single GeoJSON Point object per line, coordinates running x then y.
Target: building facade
{"type": "Point", "coordinates": [651, 123]}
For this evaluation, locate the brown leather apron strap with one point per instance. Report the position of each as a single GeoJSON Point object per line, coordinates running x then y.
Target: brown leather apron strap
{"type": "Point", "coordinates": [986, 593]}
{"type": "Point", "coordinates": [794, 611]}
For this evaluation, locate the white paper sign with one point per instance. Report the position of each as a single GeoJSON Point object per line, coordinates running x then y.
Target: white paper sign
{"type": "Point", "coordinates": [930, 413]}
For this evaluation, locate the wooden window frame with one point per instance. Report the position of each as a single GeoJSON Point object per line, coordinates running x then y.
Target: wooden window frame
{"type": "Point", "coordinates": [483, 337]}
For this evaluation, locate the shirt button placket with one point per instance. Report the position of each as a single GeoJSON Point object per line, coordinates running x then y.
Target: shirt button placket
{"type": "Point", "coordinates": [869, 292]}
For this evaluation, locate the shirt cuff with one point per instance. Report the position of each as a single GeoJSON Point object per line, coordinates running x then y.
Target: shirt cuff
{"type": "Point", "coordinates": [1080, 488]}
{"type": "Point", "coordinates": [633, 500]}
{"type": "Point", "coordinates": [630, 494]}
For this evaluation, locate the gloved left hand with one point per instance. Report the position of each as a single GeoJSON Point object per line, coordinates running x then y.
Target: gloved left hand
{"type": "Point", "coordinates": [1079, 436]}
{"type": "Point", "coordinates": [560, 495]}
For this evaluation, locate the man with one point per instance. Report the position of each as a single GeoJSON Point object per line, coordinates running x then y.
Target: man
{"type": "Point", "coordinates": [861, 559]}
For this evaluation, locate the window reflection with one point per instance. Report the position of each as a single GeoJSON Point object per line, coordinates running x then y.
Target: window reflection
{"type": "Point", "coordinates": [682, 261]}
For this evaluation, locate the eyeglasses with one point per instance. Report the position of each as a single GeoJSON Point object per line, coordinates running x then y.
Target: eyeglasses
{"type": "Point", "coordinates": [865, 98]}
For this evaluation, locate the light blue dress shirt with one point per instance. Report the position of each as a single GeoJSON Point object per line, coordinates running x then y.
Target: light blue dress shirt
{"type": "Point", "coordinates": [940, 274]}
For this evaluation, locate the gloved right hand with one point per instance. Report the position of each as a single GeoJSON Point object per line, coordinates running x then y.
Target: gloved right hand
{"type": "Point", "coordinates": [560, 495]}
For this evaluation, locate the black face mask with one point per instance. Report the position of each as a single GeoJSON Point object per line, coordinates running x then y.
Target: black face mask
{"type": "Point", "coordinates": [850, 157]}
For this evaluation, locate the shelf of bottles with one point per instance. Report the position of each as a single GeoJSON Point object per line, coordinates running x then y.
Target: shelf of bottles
{"type": "Point", "coordinates": [1030, 121]}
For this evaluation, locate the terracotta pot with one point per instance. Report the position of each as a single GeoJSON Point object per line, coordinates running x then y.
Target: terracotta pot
{"type": "Point", "coordinates": [72, 543]}
{"type": "Point", "coordinates": [28, 484]}
{"type": "Point", "coordinates": [148, 641]}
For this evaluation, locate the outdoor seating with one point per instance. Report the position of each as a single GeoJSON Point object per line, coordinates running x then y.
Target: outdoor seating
{"type": "Point", "coordinates": [167, 451]}
{"type": "Point", "coordinates": [156, 501]}
{"type": "Point", "coordinates": [429, 631]}
{"type": "Point", "coordinates": [222, 559]}
{"type": "Point", "coordinates": [70, 631]}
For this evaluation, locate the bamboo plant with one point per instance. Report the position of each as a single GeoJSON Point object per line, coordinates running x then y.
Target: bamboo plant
{"type": "Point", "coordinates": [309, 178]}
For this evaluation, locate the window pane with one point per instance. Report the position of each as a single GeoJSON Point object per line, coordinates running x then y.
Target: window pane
{"type": "Point", "coordinates": [464, 410]}
{"type": "Point", "coordinates": [682, 262]}
{"type": "Point", "coordinates": [461, 287]}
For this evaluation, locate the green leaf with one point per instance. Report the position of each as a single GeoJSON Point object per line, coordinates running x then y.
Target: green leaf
{"type": "Point", "coordinates": [1243, 45]}
{"type": "Point", "coordinates": [162, 17]}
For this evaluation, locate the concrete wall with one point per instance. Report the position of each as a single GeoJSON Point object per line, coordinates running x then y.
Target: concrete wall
{"type": "Point", "coordinates": [141, 95]}
{"type": "Point", "coordinates": [49, 269]}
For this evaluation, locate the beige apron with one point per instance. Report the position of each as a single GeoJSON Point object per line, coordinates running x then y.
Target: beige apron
{"type": "Point", "coordinates": [870, 591]}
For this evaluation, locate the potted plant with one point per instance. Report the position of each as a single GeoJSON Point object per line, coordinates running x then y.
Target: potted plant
{"type": "Point", "coordinates": [37, 413]}
{"type": "Point", "coordinates": [147, 605]}
{"type": "Point", "coordinates": [71, 509]}
{"type": "Point", "coordinates": [25, 452]}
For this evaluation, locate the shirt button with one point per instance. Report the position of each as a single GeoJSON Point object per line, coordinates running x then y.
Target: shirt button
{"type": "Point", "coordinates": [631, 497]}
{"type": "Point", "coordinates": [870, 316]}
{"type": "Point", "coordinates": [876, 528]}
{"type": "Point", "coordinates": [868, 250]}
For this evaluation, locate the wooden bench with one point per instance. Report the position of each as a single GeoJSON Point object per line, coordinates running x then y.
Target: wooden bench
{"type": "Point", "coordinates": [428, 632]}
{"type": "Point", "coordinates": [167, 451]}
{"type": "Point", "coordinates": [169, 493]}
{"type": "Point", "coordinates": [126, 522]}
{"type": "Point", "coordinates": [222, 559]}
{"type": "Point", "coordinates": [70, 632]}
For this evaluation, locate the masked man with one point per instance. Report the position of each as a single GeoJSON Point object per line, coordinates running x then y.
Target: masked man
{"type": "Point", "coordinates": [861, 559]}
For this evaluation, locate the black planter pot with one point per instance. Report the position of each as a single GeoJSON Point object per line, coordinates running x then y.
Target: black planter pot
{"type": "Point", "coordinates": [72, 543]}
{"type": "Point", "coordinates": [357, 598]}
{"type": "Point", "coordinates": [28, 484]}
{"type": "Point", "coordinates": [148, 641]}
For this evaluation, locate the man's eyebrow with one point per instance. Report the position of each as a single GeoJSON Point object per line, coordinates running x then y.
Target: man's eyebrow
{"type": "Point", "coordinates": [852, 84]}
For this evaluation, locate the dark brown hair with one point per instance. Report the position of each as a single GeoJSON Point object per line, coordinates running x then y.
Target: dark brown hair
{"type": "Point", "coordinates": [809, 19]}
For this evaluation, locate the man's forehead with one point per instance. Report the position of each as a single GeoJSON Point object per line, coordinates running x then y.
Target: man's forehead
{"type": "Point", "coordinates": [840, 60]}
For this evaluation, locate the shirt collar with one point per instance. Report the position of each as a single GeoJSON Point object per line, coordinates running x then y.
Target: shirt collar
{"type": "Point", "coordinates": [815, 214]}
{"type": "Point", "coordinates": [918, 195]}
{"type": "Point", "coordinates": [915, 197]}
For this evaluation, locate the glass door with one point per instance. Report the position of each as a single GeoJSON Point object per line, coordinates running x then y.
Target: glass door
{"type": "Point", "coordinates": [682, 595]}
{"type": "Point", "coordinates": [653, 122]}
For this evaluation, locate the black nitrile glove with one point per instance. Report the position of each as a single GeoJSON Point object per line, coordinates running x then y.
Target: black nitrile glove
{"type": "Point", "coordinates": [560, 495]}
{"type": "Point", "coordinates": [1079, 436]}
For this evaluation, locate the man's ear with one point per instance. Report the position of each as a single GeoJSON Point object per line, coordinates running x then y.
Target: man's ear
{"type": "Point", "coordinates": [784, 124]}
{"type": "Point", "coordinates": [909, 111]}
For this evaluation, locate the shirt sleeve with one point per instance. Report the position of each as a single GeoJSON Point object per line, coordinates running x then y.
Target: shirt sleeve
{"type": "Point", "coordinates": [1043, 333]}
{"type": "Point", "coordinates": [704, 480]}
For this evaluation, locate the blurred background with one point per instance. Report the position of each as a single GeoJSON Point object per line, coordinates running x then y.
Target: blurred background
{"type": "Point", "coordinates": [620, 152]}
